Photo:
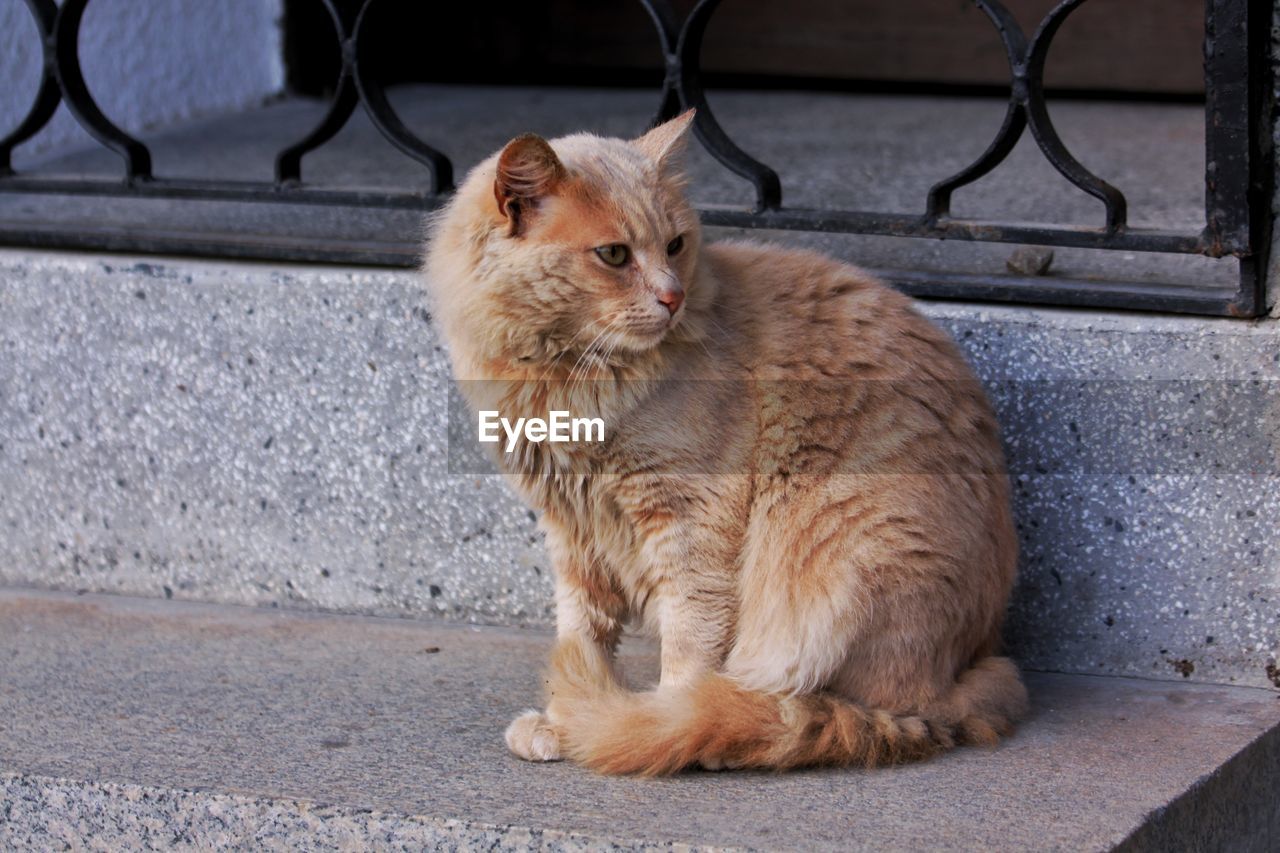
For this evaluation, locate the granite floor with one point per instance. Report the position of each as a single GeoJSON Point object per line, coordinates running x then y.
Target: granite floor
{"type": "Point", "coordinates": [145, 723]}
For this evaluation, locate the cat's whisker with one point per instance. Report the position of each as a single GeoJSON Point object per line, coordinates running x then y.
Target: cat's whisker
{"type": "Point", "coordinates": [611, 346]}
{"type": "Point", "coordinates": [587, 350]}
{"type": "Point", "coordinates": [565, 350]}
{"type": "Point", "coordinates": [711, 359]}
{"type": "Point", "coordinates": [581, 377]}
{"type": "Point", "coordinates": [710, 318]}
{"type": "Point", "coordinates": [584, 360]}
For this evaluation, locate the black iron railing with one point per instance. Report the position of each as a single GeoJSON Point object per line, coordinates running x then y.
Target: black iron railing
{"type": "Point", "coordinates": [1238, 176]}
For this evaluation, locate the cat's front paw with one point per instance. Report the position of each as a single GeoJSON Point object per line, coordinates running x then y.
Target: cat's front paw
{"type": "Point", "coordinates": [532, 737]}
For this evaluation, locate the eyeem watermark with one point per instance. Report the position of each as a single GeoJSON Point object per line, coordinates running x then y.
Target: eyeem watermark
{"type": "Point", "coordinates": [560, 426]}
{"type": "Point", "coordinates": [1077, 428]}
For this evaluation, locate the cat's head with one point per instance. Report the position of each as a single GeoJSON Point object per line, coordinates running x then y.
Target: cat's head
{"type": "Point", "coordinates": [580, 243]}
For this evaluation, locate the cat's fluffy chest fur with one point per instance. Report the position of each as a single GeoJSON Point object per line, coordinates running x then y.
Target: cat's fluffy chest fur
{"type": "Point", "coordinates": [801, 488]}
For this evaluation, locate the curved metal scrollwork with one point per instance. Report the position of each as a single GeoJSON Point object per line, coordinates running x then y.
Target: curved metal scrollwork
{"type": "Point", "coordinates": [668, 28]}
{"type": "Point", "coordinates": [938, 203]}
{"type": "Point", "coordinates": [384, 117]}
{"type": "Point", "coordinates": [63, 80]}
{"type": "Point", "coordinates": [1046, 135]}
{"type": "Point", "coordinates": [1028, 108]}
{"type": "Point", "coordinates": [75, 92]}
{"type": "Point", "coordinates": [1238, 156]}
{"type": "Point", "coordinates": [682, 89]}
{"type": "Point", "coordinates": [345, 98]}
{"type": "Point", "coordinates": [357, 86]}
{"type": "Point", "coordinates": [45, 13]}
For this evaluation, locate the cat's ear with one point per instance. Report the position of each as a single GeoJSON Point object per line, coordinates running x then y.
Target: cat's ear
{"type": "Point", "coordinates": [527, 170]}
{"type": "Point", "coordinates": [666, 142]}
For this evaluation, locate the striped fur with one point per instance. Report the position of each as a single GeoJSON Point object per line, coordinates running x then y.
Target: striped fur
{"type": "Point", "coordinates": [715, 723]}
{"type": "Point", "coordinates": [802, 492]}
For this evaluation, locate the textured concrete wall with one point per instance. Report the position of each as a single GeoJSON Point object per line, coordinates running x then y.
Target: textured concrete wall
{"type": "Point", "coordinates": [148, 63]}
{"type": "Point", "coordinates": [276, 435]}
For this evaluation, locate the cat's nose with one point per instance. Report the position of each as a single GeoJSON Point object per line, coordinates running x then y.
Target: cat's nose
{"type": "Point", "coordinates": [672, 298]}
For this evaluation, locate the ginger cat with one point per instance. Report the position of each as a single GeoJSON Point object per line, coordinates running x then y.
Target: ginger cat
{"type": "Point", "coordinates": [802, 488]}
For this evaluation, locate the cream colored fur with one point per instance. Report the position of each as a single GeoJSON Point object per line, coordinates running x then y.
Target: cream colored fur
{"type": "Point", "coordinates": [802, 491]}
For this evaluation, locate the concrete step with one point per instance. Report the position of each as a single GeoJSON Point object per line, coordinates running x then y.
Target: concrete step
{"type": "Point", "coordinates": [267, 434]}
{"type": "Point", "coordinates": [137, 723]}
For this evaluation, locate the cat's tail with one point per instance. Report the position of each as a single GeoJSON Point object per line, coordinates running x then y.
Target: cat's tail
{"type": "Point", "coordinates": [716, 723]}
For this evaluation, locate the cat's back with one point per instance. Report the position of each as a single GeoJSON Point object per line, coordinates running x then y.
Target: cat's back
{"type": "Point", "coordinates": [802, 314]}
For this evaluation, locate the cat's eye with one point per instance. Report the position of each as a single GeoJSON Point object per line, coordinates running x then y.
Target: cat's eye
{"type": "Point", "coordinates": [615, 254]}
{"type": "Point", "coordinates": [675, 245]}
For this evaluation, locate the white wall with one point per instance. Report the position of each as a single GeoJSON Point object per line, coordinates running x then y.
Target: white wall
{"type": "Point", "coordinates": [148, 63]}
